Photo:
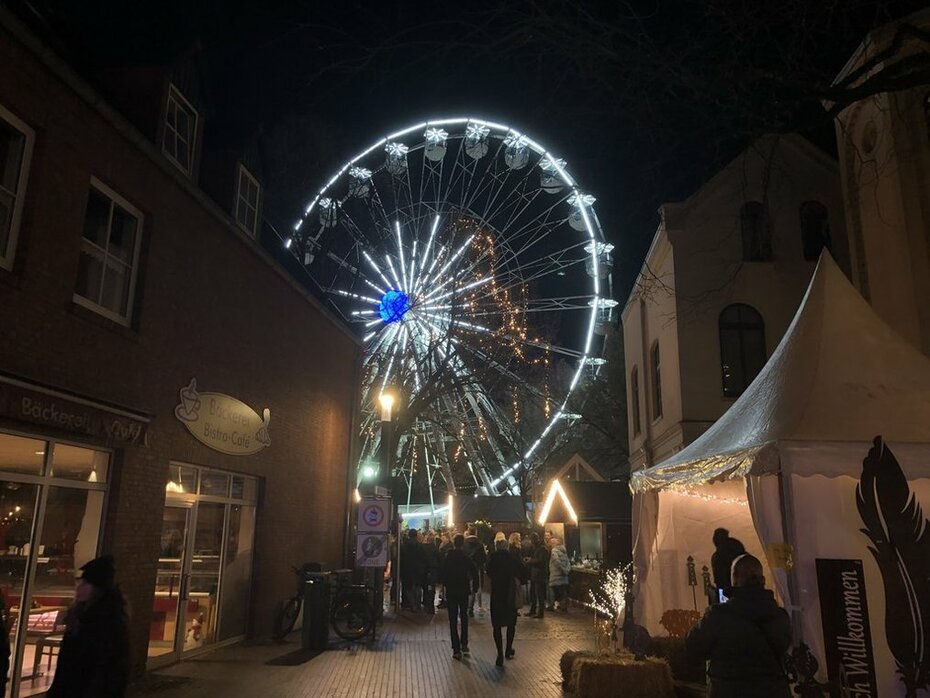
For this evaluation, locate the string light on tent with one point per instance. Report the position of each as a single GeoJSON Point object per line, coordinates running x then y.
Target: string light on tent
{"type": "Point", "coordinates": [684, 492]}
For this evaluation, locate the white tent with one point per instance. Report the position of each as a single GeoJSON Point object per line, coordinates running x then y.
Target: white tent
{"type": "Point", "coordinates": [782, 467]}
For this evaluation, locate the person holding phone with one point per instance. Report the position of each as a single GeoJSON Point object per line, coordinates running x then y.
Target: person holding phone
{"type": "Point", "coordinates": [726, 550]}
{"type": "Point", "coordinates": [745, 639]}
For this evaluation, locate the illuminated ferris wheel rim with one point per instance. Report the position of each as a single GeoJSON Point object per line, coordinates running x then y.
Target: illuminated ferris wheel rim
{"type": "Point", "coordinates": [581, 200]}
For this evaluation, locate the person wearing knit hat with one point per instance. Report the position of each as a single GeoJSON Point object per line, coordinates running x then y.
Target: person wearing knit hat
{"type": "Point", "coordinates": [94, 656]}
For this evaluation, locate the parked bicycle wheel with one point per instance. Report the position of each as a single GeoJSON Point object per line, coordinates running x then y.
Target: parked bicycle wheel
{"type": "Point", "coordinates": [352, 617]}
{"type": "Point", "coordinates": [286, 617]}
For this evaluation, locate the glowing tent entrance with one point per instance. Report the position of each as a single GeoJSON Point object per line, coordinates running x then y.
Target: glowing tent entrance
{"type": "Point", "coordinates": [780, 470]}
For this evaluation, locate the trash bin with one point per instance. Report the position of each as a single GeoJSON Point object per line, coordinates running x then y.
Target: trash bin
{"type": "Point", "coordinates": [315, 635]}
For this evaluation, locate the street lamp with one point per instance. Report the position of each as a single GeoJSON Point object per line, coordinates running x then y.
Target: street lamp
{"type": "Point", "coordinates": [386, 399]}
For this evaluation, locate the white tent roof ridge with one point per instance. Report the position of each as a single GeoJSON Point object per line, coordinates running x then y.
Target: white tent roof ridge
{"type": "Point", "coordinates": [839, 374]}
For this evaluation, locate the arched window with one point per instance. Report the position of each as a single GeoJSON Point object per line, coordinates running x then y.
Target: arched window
{"type": "Point", "coordinates": [742, 347]}
{"type": "Point", "coordinates": [634, 399]}
{"type": "Point", "coordinates": [656, 382]}
{"type": "Point", "coordinates": [756, 231]}
{"type": "Point", "coordinates": [815, 229]}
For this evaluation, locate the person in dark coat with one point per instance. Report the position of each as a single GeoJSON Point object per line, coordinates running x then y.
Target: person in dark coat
{"type": "Point", "coordinates": [744, 639]}
{"type": "Point", "coordinates": [430, 572]}
{"type": "Point", "coordinates": [727, 550]}
{"type": "Point", "coordinates": [474, 548]}
{"type": "Point", "coordinates": [412, 568]}
{"type": "Point", "coordinates": [460, 577]}
{"type": "Point", "coordinates": [539, 576]}
{"type": "Point", "coordinates": [93, 661]}
{"type": "Point", "coordinates": [445, 546]}
{"type": "Point", "coordinates": [505, 572]}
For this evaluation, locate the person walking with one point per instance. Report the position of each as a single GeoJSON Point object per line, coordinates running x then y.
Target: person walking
{"type": "Point", "coordinates": [474, 548]}
{"type": "Point", "coordinates": [459, 577]}
{"type": "Point", "coordinates": [412, 564]}
{"type": "Point", "coordinates": [539, 576]}
{"type": "Point", "coordinates": [506, 572]}
{"type": "Point", "coordinates": [93, 659]}
{"type": "Point", "coordinates": [744, 639]}
{"type": "Point", "coordinates": [445, 546]}
{"type": "Point", "coordinates": [727, 549]}
{"type": "Point", "coordinates": [430, 572]}
{"type": "Point", "coordinates": [515, 548]}
{"type": "Point", "coordinates": [558, 574]}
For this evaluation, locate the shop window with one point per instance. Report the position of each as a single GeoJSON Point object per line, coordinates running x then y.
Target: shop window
{"type": "Point", "coordinates": [590, 541]}
{"type": "Point", "coordinates": [656, 381]}
{"type": "Point", "coordinates": [756, 232]}
{"type": "Point", "coordinates": [247, 197]}
{"type": "Point", "coordinates": [214, 484]}
{"type": "Point", "coordinates": [49, 527]}
{"type": "Point", "coordinates": [815, 229]}
{"type": "Point", "coordinates": [109, 254]}
{"type": "Point", "coordinates": [180, 131]}
{"type": "Point", "coordinates": [634, 399]}
{"type": "Point", "coordinates": [19, 454]}
{"type": "Point", "coordinates": [15, 155]}
{"type": "Point", "coordinates": [742, 347]}
{"type": "Point", "coordinates": [76, 463]}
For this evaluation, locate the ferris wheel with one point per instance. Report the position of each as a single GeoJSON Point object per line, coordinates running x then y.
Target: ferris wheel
{"type": "Point", "coordinates": [475, 269]}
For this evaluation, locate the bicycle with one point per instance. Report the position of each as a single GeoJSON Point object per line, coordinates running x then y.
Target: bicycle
{"type": "Point", "coordinates": [351, 614]}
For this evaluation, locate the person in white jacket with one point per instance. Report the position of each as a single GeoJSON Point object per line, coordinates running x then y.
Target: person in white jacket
{"type": "Point", "coordinates": [558, 573]}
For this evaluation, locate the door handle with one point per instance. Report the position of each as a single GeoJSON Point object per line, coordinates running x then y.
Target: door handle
{"type": "Point", "coordinates": [185, 584]}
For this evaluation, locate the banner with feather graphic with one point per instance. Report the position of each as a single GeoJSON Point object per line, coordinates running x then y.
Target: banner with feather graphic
{"type": "Point", "coordinates": [823, 484]}
{"type": "Point", "coordinates": [900, 544]}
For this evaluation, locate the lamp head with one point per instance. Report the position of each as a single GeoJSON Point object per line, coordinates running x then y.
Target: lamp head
{"type": "Point", "coordinates": [387, 402]}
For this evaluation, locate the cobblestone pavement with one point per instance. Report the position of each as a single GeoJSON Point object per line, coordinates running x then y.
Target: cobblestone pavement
{"type": "Point", "coordinates": [412, 656]}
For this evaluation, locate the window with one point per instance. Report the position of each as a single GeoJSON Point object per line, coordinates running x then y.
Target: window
{"type": "Point", "coordinates": [656, 383]}
{"type": "Point", "coordinates": [756, 232]}
{"type": "Point", "coordinates": [15, 154]}
{"type": "Point", "coordinates": [247, 202]}
{"type": "Point", "coordinates": [742, 347]}
{"type": "Point", "coordinates": [109, 254]}
{"type": "Point", "coordinates": [634, 399]}
{"type": "Point", "coordinates": [815, 229]}
{"type": "Point", "coordinates": [180, 131]}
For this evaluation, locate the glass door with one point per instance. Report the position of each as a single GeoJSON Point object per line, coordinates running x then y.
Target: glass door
{"type": "Point", "coordinates": [169, 580]}
{"type": "Point", "coordinates": [203, 576]}
{"type": "Point", "coordinates": [205, 565]}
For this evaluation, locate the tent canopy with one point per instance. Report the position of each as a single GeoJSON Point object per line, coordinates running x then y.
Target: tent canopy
{"type": "Point", "coordinates": [839, 374]}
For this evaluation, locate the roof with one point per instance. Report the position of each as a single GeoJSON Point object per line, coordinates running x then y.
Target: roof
{"type": "Point", "coordinates": [599, 501]}
{"type": "Point", "coordinates": [503, 509]}
{"type": "Point", "coordinates": [839, 374]}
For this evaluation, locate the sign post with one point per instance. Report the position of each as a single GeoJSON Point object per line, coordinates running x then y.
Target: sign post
{"type": "Point", "coordinates": [372, 547]}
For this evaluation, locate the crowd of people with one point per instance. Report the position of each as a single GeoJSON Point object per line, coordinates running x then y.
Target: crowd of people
{"type": "Point", "coordinates": [522, 571]}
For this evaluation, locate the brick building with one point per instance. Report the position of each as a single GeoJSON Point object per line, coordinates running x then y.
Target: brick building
{"type": "Point", "coordinates": [167, 392]}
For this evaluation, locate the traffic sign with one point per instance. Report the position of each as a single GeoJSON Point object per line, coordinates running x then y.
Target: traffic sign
{"type": "Point", "coordinates": [371, 550]}
{"type": "Point", "coordinates": [374, 515]}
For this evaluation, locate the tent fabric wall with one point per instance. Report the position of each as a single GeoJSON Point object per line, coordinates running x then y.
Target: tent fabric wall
{"type": "Point", "coordinates": [764, 495]}
{"type": "Point", "coordinates": [685, 523]}
{"type": "Point", "coordinates": [827, 525]}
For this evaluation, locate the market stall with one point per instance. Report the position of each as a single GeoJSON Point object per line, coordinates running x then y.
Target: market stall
{"type": "Point", "coordinates": [794, 470]}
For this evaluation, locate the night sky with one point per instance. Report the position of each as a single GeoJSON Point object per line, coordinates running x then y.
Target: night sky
{"type": "Point", "coordinates": [318, 81]}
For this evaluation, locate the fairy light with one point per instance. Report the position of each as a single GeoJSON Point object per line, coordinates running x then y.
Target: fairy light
{"type": "Point", "coordinates": [684, 492]}
{"type": "Point", "coordinates": [554, 489]}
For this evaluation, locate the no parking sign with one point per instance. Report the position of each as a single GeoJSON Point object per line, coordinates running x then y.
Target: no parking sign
{"type": "Point", "coordinates": [374, 515]}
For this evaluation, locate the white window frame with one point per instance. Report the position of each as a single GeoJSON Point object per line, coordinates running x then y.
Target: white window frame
{"type": "Point", "coordinates": [178, 97]}
{"type": "Point", "coordinates": [6, 260]}
{"type": "Point", "coordinates": [133, 277]}
{"type": "Point", "coordinates": [243, 201]}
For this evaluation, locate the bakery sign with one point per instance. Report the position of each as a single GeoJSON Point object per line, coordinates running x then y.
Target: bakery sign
{"type": "Point", "coordinates": [221, 422]}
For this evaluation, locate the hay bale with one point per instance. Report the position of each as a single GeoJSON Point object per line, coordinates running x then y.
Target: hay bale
{"type": "Point", "coordinates": [621, 675]}
{"type": "Point", "coordinates": [567, 662]}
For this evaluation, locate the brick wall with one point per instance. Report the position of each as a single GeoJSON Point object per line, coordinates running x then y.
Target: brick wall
{"type": "Point", "coordinates": [208, 306]}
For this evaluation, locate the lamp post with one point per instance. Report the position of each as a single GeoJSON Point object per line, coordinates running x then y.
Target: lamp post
{"type": "Point", "coordinates": [386, 401]}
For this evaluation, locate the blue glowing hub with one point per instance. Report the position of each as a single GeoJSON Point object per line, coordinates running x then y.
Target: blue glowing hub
{"type": "Point", "coordinates": [393, 306]}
